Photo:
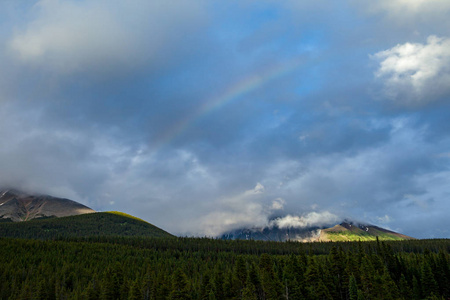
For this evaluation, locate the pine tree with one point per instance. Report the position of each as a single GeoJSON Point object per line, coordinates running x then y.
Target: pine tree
{"type": "Point", "coordinates": [249, 292]}
{"type": "Point", "coordinates": [417, 292]}
{"type": "Point", "coordinates": [134, 293]}
{"type": "Point", "coordinates": [405, 290]}
{"type": "Point", "coordinates": [316, 289]}
{"type": "Point", "coordinates": [292, 278]}
{"type": "Point", "coordinates": [218, 285]}
{"type": "Point", "coordinates": [253, 278]}
{"type": "Point", "coordinates": [240, 274]}
{"type": "Point", "coordinates": [368, 273]}
{"type": "Point", "coordinates": [179, 286]}
{"type": "Point", "coordinates": [205, 287]}
{"type": "Point", "coordinates": [271, 286]}
{"type": "Point", "coordinates": [90, 293]}
{"type": "Point", "coordinates": [429, 284]}
{"type": "Point", "coordinates": [353, 288]}
{"type": "Point", "coordinates": [389, 288]}
{"type": "Point", "coordinates": [110, 288]}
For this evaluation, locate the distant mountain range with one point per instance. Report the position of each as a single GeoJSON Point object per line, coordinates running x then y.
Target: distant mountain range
{"type": "Point", "coordinates": [53, 217]}
{"type": "Point", "coordinates": [346, 231]}
{"type": "Point", "coordinates": [19, 206]}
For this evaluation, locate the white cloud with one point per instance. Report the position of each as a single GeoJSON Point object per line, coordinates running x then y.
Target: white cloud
{"type": "Point", "coordinates": [241, 210]}
{"type": "Point", "coordinates": [309, 220]}
{"type": "Point", "coordinates": [415, 74]}
{"type": "Point", "coordinates": [74, 36]}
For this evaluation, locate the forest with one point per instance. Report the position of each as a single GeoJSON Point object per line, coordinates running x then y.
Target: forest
{"type": "Point", "coordinates": [102, 267]}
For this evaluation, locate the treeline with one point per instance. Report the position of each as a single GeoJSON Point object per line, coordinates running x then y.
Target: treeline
{"type": "Point", "coordinates": [185, 268]}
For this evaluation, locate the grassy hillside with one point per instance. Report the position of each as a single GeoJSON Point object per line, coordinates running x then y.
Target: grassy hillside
{"type": "Point", "coordinates": [348, 232]}
{"type": "Point", "coordinates": [94, 224]}
{"type": "Point", "coordinates": [359, 236]}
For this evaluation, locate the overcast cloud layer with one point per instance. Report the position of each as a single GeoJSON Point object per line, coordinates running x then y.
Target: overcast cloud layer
{"type": "Point", "coordinates": [206, 116]}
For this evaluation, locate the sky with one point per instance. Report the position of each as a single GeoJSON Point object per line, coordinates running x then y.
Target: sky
{"type": "Point", "coordinates": [205, 116]}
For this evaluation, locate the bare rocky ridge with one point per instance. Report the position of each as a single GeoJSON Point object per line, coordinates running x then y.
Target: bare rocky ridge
{"type": "Point", "coordinates": [19, 206]}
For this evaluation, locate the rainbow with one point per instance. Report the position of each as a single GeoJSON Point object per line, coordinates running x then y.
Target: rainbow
{"type": "Point", "coordinates": [233, 92]}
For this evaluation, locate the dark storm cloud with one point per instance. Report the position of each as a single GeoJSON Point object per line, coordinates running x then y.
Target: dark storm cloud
{"type": "Point", "coordinates": [100, 102]}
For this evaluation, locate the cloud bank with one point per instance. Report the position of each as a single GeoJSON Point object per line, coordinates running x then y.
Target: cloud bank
{"type": "Point", "coordinates": [309, 220]}
{"type": "Point", "coordinates": [202, 117]}
{"type": "Point", "coordinates": [68, 37]}
{"type": "Point", "coordinates": [416, 74]}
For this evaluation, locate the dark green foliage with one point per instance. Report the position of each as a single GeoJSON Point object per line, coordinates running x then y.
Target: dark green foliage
{"type": "Point", "coordinates": [189, 268]}
{"type": "Point", "coordinates": [428, 282]}
{"type": "Point", "coordinates": [240, 274]}
{"type": "Point", "coordinates": [180, 289]}
{"type": "Point", "coordinates": [353, 288]}
{"type": "Point", "coordinates": [270, 284]}
{"type": "Point", "coordinates": [94, 224]}
{"type": "Point", "coordinates": [249, 292]}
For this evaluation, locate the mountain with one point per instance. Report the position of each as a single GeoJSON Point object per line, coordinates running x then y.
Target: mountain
{"type": "Point", "coordinates": [98, 224]}
{"type": "Point", "coordinates": [274, 233]}
{"type": "Point", "coordinates": [346, 231]}
{"type": "Point", "coordinates": [19, 206]}
{"type": "Point", "coordinates": [349, 231]}
{"type": "Point", "coordinates": [50, 217]}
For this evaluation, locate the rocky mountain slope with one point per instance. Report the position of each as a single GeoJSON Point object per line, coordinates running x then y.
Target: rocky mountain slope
{"type": "Point", "coordinates": [19, 206]}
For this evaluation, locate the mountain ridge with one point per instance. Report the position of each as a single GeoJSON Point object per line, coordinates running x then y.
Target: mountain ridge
{"type": "Point", "coordinates": [344, 231]}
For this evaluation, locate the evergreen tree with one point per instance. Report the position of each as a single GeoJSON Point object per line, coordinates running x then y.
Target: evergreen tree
{"type": "Point", "coordinates": [316, 289]}
{"type": "Point", "coordinates": [110, 286]}
{"type": "Point", "coordinates": [253, 278]}
{"type": "Point", "coordinates": [249, 292]}
{"type": "Point", "coordinates": [417, 293]}
{"type": "Point", "coordinates": [240, 274]}
{"type": "Point", "coordinates": [389, 288]}
{"type": "Point", "coordinates": [205, 288]}
{"type": "Point", "coordinates": [429, 284]}
{"type": "Point", "coordinates": [218, 285]}
{"type": "Point", "coordinates": [353, 288]}
{"type": "Point", "coordinates": [368, 273]}
{"type": "Point", "coordinates": [271, 286]}
{"type": "Point", "coordinates": [292, 278]}
{"type": "Point", "coordinates": [134, 293]}
{"type": "Point", "coordinates": [90, 293]}
{"type": "Point", "coordinates": [179, 286]}
{"type": "Point", "coordinates": [405, 290]}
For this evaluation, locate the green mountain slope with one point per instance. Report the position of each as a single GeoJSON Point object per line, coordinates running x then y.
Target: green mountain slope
{"type": "Point", "coordinates": [94, 224]}
{"type": "Point", "coordinates": [357, 232]}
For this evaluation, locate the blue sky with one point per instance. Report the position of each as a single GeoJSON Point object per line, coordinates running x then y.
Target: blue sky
{"type": "Point", "coordinates": [206, 116]}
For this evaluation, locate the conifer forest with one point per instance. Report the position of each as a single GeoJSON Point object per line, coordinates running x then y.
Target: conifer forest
{"type": "Point", "coordinates": [202, 268]}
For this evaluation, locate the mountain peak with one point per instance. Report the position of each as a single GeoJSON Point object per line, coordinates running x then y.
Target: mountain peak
{"type": "Point", "coordinates": [21, 206]}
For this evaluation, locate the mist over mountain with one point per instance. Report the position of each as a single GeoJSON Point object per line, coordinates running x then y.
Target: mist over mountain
{"type": "Point", "coordinates": [21, 206]}
{"type": "Point", "coordinates": [344, 231]}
